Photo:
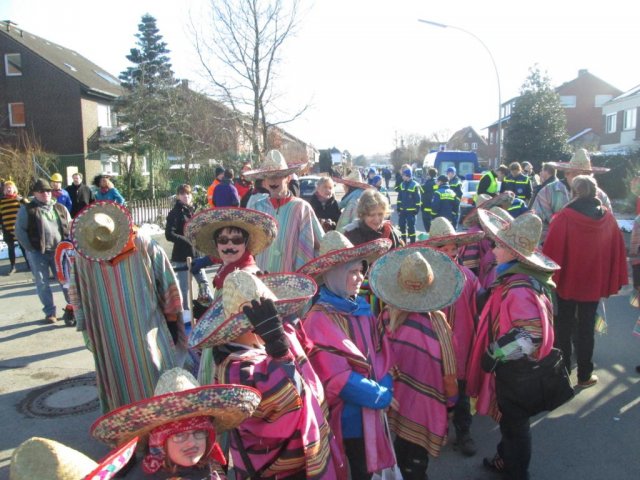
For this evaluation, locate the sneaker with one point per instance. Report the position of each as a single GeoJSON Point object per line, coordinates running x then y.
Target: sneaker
{"type": "Point", "coordinates": [590, 382]}
{"type": "Point", "coordinates": [465, 445]}
{"type": "Point", "coordinates": [51, 319]}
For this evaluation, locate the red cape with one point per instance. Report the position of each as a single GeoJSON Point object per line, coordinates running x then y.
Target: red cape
{"type": "Point", "coordinates": [590, 251]}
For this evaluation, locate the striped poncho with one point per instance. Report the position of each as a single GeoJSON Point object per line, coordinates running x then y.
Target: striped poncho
{"type": "Point", "coordinates": [121, 308]}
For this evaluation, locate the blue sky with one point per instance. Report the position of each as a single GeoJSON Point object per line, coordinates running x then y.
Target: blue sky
{"type": "Point", "coordinates": [369, 70]}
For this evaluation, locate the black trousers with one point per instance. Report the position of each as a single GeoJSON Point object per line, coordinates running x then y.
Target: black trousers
{"type": "Point", "coordinates": [11, 242]}
{"type": "Point", "coordinates": [462, 410]}
{"type": "Point", "coordinates": [579, 319]}
{"type": "Point", "coordinates": [355, 452]}
{"type": "Point", "coordinates": [413, 460]}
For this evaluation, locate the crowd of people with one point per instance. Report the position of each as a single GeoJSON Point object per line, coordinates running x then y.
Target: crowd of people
{"type": "Point", "coordinates": [331, 343]}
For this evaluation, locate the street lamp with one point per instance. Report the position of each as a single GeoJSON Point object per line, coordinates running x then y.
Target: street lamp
{"type": "Point", "coordinates": [499, 136]}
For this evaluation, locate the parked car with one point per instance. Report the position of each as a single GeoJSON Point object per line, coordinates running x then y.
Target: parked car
{"type": "Point", "coordinates": [308, 185]}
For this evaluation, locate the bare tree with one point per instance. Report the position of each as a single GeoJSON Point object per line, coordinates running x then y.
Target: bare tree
{"type": "Point", "coordinates": [239, 48]}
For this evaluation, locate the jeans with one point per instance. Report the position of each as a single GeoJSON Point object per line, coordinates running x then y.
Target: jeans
{"type": "Point", "coordinates": [41, 264]}
{"type": "Point", "coordinates": [579, 318]}
{"type": "Point", "coordinates": [407, 222]}
{"type": "Point", "coordinates": [180, 269]}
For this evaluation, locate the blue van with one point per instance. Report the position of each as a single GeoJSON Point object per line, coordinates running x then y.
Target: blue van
{"type": "Point", "coordinates": [465, 163]}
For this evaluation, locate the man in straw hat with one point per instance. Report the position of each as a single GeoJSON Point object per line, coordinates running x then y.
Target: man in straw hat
{"type": "Point", "coordinates": [233, 236]}
{"type": "Point", "coordinates": [554, 196]}
{"type": "Point", "coordinates": [299, 229]}
{"type": "Point", "coordinates": [127, 303]}
{"type": "Point", "coordinates": [351, 354]}
{"type": "Point", "coordinates": [462, 315]}
{"type": "Point", "coordinates": [585, 240]}
{"type": "Point", "coordinates": [40, 226]}
{"type": "Point", "coordinates": [415, 283]}
{"type": "Point", "coordinates": [178, 426]}
{"type": "Point", "coordinates": [515, 331]}
{"type": "Point", "coordinates": [349, 202]}
{"type": "Point", "coordinates": [288, 436]}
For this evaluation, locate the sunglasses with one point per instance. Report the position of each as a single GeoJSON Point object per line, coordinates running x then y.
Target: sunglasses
{"type": "Point", "coordinates": [44, 191]}
{"type": "Point", "coordinates": [226, 240]}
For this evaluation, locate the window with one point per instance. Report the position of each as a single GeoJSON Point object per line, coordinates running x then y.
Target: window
{"type": "Point", "coordinates": [104, 115]}
{"type": "Point", "coordinates": [630, 119]}
{"type": "Point", "coordinates": [466, 146]}
{"type": "Point", "coordinates": [16, 115]}
{"type": "Point", "coordinates": [602, 99]}
{"type": "Point", "coordinates": [474, 146]}
{"type": "Point", "coordinates": [568, 101]}
{"type": "Point", "coordinates": [470, 134]}
{"type": "Point", "coordinates": [492, 138]}
{"type": "Point", "coordinates": [611, 122]}
{"type": "Point", "coordinates": [13, 64]}
{"type": "Point", "coordinates": [109, 164]}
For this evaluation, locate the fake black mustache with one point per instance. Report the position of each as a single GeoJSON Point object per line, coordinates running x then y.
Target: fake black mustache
{"type": "Point", "coordinates": [230, 251]}
{"type": "Point", "coordinates": [274, 187]}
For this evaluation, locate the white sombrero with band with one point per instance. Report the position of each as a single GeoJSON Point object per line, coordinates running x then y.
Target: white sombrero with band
{"type": "Point", "coordinates": [442, 233]}
{"type": "Point", "coordinates": [503, 200]}
{"type": "Point", "coordinates": [353, 179]}
{"type": "Point", "coordinates": [580, 163]}
{"type": "Point", "coordinates": [274, 165]}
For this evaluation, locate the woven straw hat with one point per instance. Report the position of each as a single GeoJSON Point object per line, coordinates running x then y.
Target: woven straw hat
{"type": "Point", "coordinates": [41, 458]}
{"type": "Point", "coordinates": [416, 279]}
{"type": "Point", "coordinates": [224, 320]}
{"type": "Point", "coordinates": [520, 236]}
{"type": "Point", "coordinates": [353, 180]}
{"type": "Point", "coordinates": [504, 200]}
{"type": "Point", "coordinates": [101, 230]}
{"type": "Point", "coordinates": [502, 213]}
{"type": "Point", "coordinates": [262, 228]}
{"type": "Point", "coordinates": [579, 163]}
{"type": "Point", "coordinates": [336, 249]}
{"type": "Point", "coordinates": [273, 165]}
{"type": "Point", "coordinates": [442, 233]}
{"type": "Point", "coordinates": [177, 396]}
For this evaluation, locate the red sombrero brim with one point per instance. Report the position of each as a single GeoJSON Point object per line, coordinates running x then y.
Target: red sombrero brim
{"type": "Point", "coordinates": [114, 461]}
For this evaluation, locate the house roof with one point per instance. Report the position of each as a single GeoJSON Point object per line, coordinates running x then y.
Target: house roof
{"type": "Point", "coordinates": [629, 93]}
{"type": "Point", "coordinates": [94, 79]}
{"type": "Point", "coordinates": [462, 133]}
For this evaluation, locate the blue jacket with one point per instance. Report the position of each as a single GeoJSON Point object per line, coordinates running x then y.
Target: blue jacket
{"type": "Point", "coordinates": [520, 185]}
{"type": "Point", "coordinates": [226, 195]}
{"type": "Point", "coordinates": [64, 199]}
{"type": "Point", "coordinates": [409, 197]}
{"type": "Point", "coordinates": [112, 194]}
{"type": "Point", "coordinates": [456, 185]}
{"type": "Point", "coordinates": [517, 207]}
{"type": "Point", "coordinates": [428, 188]}
{"type": "Point", "coordinates": [445, 203]}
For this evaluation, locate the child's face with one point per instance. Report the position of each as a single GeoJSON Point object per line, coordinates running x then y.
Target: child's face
{"type": "Point", "coordinates": [502, 254]}
{"type": "Point", "coordinates": [187, 448]}
{"type": "Point", "coordinates": [451, 249]}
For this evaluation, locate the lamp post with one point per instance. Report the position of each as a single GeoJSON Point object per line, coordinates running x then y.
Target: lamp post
{"type": "Point", "coordinates": [499, 136]}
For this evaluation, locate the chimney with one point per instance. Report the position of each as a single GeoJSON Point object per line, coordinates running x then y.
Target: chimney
{"type": "Point", "coordinates": [582, 71]}
{"type": "Point", "coordinates": [9, 24]}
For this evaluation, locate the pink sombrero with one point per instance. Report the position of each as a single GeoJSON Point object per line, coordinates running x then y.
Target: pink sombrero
{"type": "Point", "coordinates": [442, 233]}
{"type": "Point", "coordinates": [274, 165]}
{"type": "Point", "coordinates": [580, 163]}
{"type": "Point", "coordinates": [261, 227]}
{"type": "Point", "coordinates": [520, 236]}
{"type": "Point", "coordinates": [101, 230]}
{"type": "Point", "coordinates": [336, 249]}
{"type": "Point", "coordinates": [224, 320]}
{"type": "Point", "coordinates": [177, 396]}
{"type": "Point", "coordinates": [353, 180]}
{"type": "Point", "coordinates": [504, 200]}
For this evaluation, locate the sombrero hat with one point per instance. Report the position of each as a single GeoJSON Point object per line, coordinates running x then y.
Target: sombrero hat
{"type": "Point", "coordinates": [261, 227]}
{"type": "Point", "coordinates": [177, 396]}
{"type": "Point", "coordinates": [580, 163]}
{"type": "Point", "coordinates": [353, 180]}
{"type": "Point", "coordinates": [336, 249]}
{"type": "Point", "coordinates": [273, 165]}
{"type": "Point", "coordinates": [101, 230]}
{"type": "Point", "coordinates": [224, 320]}
{"type": "Point", "coordinates": [520, 236]}
{"type": "Point", "coordinates": [416, 279]}
{"type": "Point", "coordinates": [43, 458]}
{"type": "Point", "coordinates": [442, 233]}
{"type": "Point", "coordinates": [502, 213]}
{"type": "Point", "coordinates": [504, 200]}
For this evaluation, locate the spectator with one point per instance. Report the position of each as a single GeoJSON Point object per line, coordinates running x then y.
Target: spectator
{"type": "Point", "coordinates": [517, 182]}
{"type": "Point", "coordinates": [225, 193]}
{"type": "Point", "coordinates": [445, 203]}
{"type": "Point", "coordinates": [325, 205]}
{"type": "Point", "coordinates": [371, 173]}
{"type": "Point", "coordinates": [40, 226]}
{"type": "Point", "coordinates": [241, 183]}
{"type": "Point", "coordinates": [61, 196]}
{"type": "Point", "coordinates": [376, 182]}
{"type": "Point", "coordinates": [455, 183]}
{"type": "Point", "coordinates": [428, 187]}
{"type": "Point", "coordinates": [256, 188]}
{"type": "Point", "coordinates": [409, 203]}
{"type": "Point", "coordinates": [372, 221]}
{"type": "Point", "coordinates": [527, 169]}
{"type": "Point", "coordinates": [386, 174]}
{"type": "Point", "coordinates": [108, 191]}
{"type": "Point", "coordinates": [489, 181]}
{"type": "Point", "coordinates": [9, 205]}
{"type": "Point", "coordinates": [81, 195]}
{"type": "Point", "coordinates": [219, 175]}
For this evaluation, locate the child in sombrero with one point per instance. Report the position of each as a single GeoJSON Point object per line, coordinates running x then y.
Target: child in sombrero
{"type": "Point", "coordinates": [289, 436]}
{"type": "Point", "coordinates": [462, 315]}
{"type": "Point", "coordinates": [415, 283]}
{"type": "Point", "coordinates": [178, 426]}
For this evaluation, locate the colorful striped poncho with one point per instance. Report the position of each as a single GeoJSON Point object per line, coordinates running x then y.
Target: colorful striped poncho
{"type": "Point", "coordinates": [288, 434]}
{"type": "Point", "coordinates": [422, 355]}
{"type": "Point", "coordinates": [121, 309]}
{"type": "Point", "coordinates": [299, 234]}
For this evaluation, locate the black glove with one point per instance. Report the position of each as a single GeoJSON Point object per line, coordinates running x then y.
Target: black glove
{"type": "Point", "coordinates": [173, 330]}
{"type": "Point", "coordinates": [266, 323]}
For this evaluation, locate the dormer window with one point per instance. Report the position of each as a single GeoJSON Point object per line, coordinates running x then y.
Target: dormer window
{"type": "Point", "coordinates": [13, 64]}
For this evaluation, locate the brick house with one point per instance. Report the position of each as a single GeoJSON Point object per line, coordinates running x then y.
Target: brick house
{"type": "Point", "coordinates": [469, 140]}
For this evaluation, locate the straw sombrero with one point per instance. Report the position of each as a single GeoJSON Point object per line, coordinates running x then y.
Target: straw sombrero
{"type": "Point", "coordinates": [442, 233]}
{"type": "Point", "coordinates": [261, 227]}
{"type": "Point", "coordinates": [353, 180]}
{"type": "Point", "coordinates": [101, 230]}
{"type": "Point", "coordinates": [224, 320]}
{"type": "Point", "coordinates": [502, 213]}
{"type": "Point", "coordinates": [520, 236]}
{"type": "Point", "coordinates": [416, 279]}
{"type": "Point", "coordinates": [177, 396]}
{"type": "Point", "coordinates": [579, 163]}
{"type": "Point", "coordinates": [336, 249]}
{"type": "Point", "coordinates": [273, 165]}
{"type": "Point", "coordinates": [41, 458]}
{"type": "Point", "coordinates": [504, 200]}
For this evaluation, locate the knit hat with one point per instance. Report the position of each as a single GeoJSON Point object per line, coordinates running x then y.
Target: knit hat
{"type": "Point", "coordinates": [273, 165]}
{"type": "Point", "coordinates": [219, 171]}
{"type": "Point", "coordinates": [442, 233]}
{"type": "Point", "coordinates": [451, 170]}
{"type": "Point", "coordinates": [504, 200]}
{"type": "Point", "coordinates": [579, 163]}
{"type": "Point", "coordinates": [520, 237]}
{"type": "Point", "coordinates": [407, 172]}
{"type": "Point", "coordinates": [416, 279]}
